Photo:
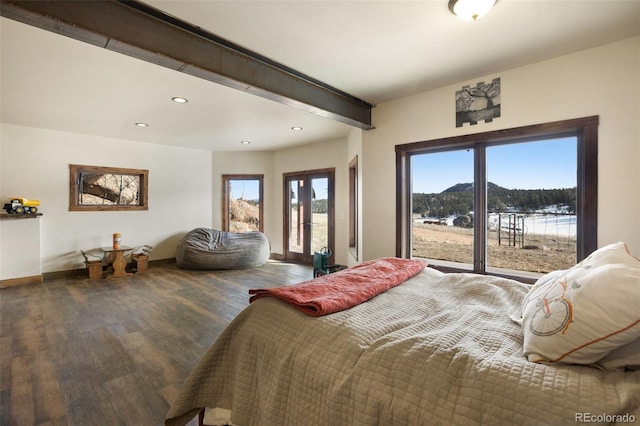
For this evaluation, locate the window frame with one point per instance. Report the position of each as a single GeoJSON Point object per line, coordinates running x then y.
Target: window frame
{"type": "Point", "coordinates": [584, 129]}
{"type": "Point", "coordinates": [353, 207]}
{"type": "Point", "coordinates": [75, 172]}
{"type": "Point", "coordinates": [225, 198]}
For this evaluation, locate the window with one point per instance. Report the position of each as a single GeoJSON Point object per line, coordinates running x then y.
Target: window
{"type": "Point", "coordinates": [516, 202]}
{"type": "Point", "coordinates": [531, 225]}
{"type": "Point", "coordinates": [242, 205]}
{"type": "Point", "coordinates": [353, 207]}
{"type": "Point", "coordinates": [93, 188]}
{"type": "Point", "coordinates": [442, 191]}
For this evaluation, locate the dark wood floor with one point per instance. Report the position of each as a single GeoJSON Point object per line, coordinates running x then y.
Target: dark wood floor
{"type": "Point", "coordinates": [75, 351]}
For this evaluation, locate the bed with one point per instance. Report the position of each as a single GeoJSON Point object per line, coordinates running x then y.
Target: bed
{"type": "Point", "coordinates": [433, 348]}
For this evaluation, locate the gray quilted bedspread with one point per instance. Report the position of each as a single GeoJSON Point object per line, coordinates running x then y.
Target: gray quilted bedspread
{"type": "Point", "coordinates": [439, 349]}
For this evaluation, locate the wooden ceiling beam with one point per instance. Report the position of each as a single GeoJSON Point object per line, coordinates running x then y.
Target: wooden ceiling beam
{"type": "Point", "coordinates": [138, 30]}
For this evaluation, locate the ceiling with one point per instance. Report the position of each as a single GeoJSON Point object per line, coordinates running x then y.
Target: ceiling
{"type": "Point", "coordinates": [377, 51]}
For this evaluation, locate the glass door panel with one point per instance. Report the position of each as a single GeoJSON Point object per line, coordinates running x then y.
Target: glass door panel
{"type": "Point", "coordinates": [309, 214]}
{"type": "Point", "coordinates": [296, 216]}
{"type": "Point", "coordinates": [320, 214]}
{"type": "Point", "coordinates": [442, 206]}
{"type": "Point", "coordinates": [532, 193]}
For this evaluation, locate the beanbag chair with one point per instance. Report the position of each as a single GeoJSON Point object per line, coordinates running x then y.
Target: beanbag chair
{"type": "Point", "coordinates": [204, 248]}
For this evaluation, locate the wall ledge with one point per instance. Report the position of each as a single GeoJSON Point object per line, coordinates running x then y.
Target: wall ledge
{"type": "Point", "coordinates": [4, 216]}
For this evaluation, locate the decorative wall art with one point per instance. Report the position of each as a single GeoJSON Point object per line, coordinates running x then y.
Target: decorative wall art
{"type": "Point", "coordinates": [94, 188]}
{"type": "Point", "coordinates": [474, 104]}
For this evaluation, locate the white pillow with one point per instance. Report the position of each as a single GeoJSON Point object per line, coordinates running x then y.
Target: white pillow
{"type": "Point", "coordinates": [580, 315]}
{"type": "Point", "coordinates": [627, 356]}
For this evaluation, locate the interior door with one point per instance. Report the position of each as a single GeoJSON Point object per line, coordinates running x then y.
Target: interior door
{"type": "Point", "coordinates": [308, 214]}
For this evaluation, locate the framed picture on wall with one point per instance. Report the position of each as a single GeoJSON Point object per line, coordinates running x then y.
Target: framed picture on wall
{"type": "Point", "coordinates": [479, 103]}
{"type": "Point", "coordinates": [94, 188]}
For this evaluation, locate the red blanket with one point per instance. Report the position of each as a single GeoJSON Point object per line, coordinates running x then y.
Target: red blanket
{"type": "Point", "coordinates": [344, 289]}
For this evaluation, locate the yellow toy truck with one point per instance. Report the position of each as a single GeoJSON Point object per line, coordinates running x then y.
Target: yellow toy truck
{"type": "Point", "coordinates": [21, 205]}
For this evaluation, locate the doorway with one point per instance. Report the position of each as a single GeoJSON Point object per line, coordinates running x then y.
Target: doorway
{"type": "Point", "coordinates": [309, 214]}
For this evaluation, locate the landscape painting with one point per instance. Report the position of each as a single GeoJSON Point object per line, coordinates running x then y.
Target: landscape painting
{"type": "Point", "coordinates": [479, 103]}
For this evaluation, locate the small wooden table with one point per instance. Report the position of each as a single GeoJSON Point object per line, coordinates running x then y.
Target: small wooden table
{"type": "Point", "coordinates": [116, 258]}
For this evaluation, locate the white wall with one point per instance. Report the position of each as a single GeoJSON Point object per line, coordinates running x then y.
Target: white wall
{"type": "Point", "coordinates": [273, 165]}
{"type": "Point", "coordinates": [34, 163]}
{"type": "Point", "coordinates": [604, 81]}
{"type": "Point", "coordinates": [240, 163]}
{"type": "Point", "coordinates": [21, 240]}
{"type": "Point", "coordinates": [311, 157]}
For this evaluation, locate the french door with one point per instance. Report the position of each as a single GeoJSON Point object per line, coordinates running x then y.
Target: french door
{"type": "Point", "coordinates": [308, 214]}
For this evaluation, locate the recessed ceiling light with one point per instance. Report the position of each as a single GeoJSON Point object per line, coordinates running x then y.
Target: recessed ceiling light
{"type": "Point", "coordinates": [245, 142]}
{"type": "Point", "coordinates": [296, 128]}
{"type": "Point", "coordinates": [142, 125]}
{"type": "Point", "coordinates": [180, 100]}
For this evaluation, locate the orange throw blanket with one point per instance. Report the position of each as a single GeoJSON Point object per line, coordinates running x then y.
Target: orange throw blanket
{"type": "Point", "coordinates": [344, 289]}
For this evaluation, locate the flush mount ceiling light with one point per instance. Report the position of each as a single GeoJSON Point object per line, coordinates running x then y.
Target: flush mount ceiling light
{"type": "Point", "coordinates": [296, 128]}
{"type": "Point", "coordinates": [142, 125]}
{"type": "Point", "coordinates": [471, 10]}
{"type": "Point", "coordinates": [245, 142]}
{"type": "Point", "coordinates": [179, 100]}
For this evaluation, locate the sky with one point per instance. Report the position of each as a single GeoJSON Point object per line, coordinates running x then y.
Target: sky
{"type": "Point", "coordinates": [533, 165]}
{"type": "Point", "coordinates": [547, 164]}
{"type": "Point", "coordinates": [249, 189]}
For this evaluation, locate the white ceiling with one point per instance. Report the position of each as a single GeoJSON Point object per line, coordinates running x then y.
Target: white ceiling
{"type": "Point", "coordinates": [374, 50]}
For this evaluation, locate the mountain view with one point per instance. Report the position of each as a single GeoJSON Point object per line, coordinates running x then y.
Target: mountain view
{"type": "Point", "coordinates": [458, 200]}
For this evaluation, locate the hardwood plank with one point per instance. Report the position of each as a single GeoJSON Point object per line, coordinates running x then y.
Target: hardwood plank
{"type": "Point", "coordinates": [75, 351]}
{"type": "Point", "coordinates": [47, 395]}
{"type": "Point", "coordinates": [21, 407]}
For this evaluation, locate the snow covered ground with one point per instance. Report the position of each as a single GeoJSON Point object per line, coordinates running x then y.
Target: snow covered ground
{"type": "Point", "coordinates": [540, 224]}
{"type": "Point", "coordinates": [561, 225]}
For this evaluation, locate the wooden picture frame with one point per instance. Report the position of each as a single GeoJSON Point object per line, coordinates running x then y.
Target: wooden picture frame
{"type": "Point", "coordinates": [95, 188]}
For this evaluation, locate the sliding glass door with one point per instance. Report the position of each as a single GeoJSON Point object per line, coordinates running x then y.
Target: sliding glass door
{"type": "Point", "coordinates": [517, 202]}
{"type": "Point", "coordinates": [526, 205]}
